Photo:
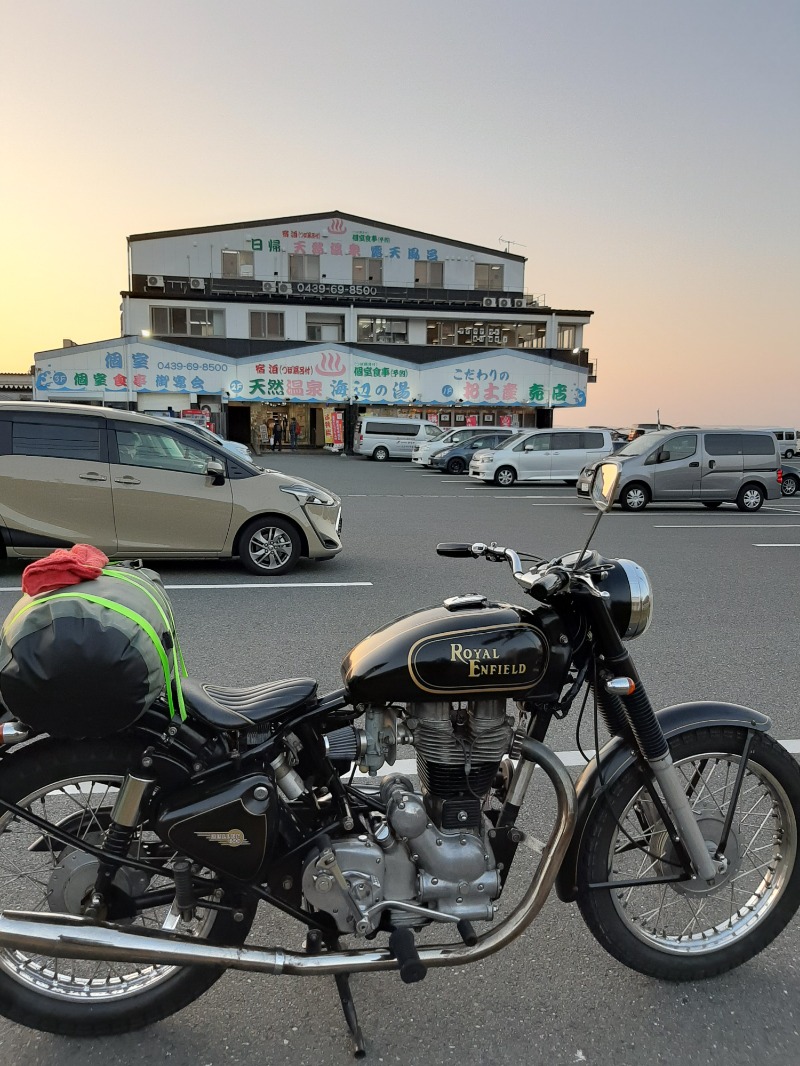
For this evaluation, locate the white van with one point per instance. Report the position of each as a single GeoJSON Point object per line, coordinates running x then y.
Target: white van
{"type": "Point", "coordinates": [383, 438]}
{"type": "Point", "coordinates": [787, 441]}
{"type": "Point", "coordinates": [541, 455]}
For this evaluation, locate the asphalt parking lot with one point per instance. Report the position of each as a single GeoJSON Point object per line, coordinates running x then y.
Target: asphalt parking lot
{"type": "Point", "coordinates": [725, 625]}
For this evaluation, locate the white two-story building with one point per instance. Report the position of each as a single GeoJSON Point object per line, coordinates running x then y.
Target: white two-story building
{"type": "Point", "coordinates": [252, 319]}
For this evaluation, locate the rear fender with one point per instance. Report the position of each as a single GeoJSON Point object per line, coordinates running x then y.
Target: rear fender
{"type": "Point", "coordinates": [617, 756]}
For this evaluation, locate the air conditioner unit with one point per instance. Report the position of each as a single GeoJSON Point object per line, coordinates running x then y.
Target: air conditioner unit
{"type": "Point", "coordinates": [284, 287]}
{"type": "Point", "coordinates": [505, 302]}
{"type": "Point", "coordinates": [197, 283]}
{"type": "Point", "coordinates": [519, 303]}
{"type": "Point", "coordinates": [489, 301]}
{"type": "Point", "coordinates": [155, 281]}
{"type": "Point", "coordinates": [269, 286]}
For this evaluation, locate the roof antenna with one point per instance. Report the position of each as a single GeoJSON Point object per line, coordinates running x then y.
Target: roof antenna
{"type": "Point", "coordinates": [508, 243]}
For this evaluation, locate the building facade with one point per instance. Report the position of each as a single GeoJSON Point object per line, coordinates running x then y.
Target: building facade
{"type": "Point", "coordinates": [252, 319]}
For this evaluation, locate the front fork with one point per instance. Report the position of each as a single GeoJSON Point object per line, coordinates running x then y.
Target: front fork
{"type": "Point", "coordinates": [627, 712]}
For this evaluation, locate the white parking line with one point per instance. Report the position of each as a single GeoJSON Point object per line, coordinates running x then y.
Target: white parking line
{"type": "Point", "coordinates": [776, 545]}
{"type": "Point", "coordinates": [727, 525]}
{"type": "Point", "coordinates": [257, 585]}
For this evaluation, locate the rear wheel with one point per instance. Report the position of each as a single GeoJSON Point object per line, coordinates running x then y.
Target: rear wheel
{"type": "Point", "coordinates": [505, 477]}
{"type": "Point", "coordinates": [456, 466]}
{"type": "Point", "coordinates": [634, 497]}
{"type": "Point", "coordinates": [750, 498]}
{"type": "Point", "coordinates": [380, 455]}
{"type": "Point", "coordinates": [685, 931]}
{"type": "Point", "coordinates": [790, 484]}
{"type": "Point", "coordinates": [76, 786]}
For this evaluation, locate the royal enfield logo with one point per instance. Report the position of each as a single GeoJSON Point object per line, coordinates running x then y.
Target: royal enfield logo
{"type": "Point", "coordinates": [234, 838]}
{"type": "Point", "coordinates": [484, 662]}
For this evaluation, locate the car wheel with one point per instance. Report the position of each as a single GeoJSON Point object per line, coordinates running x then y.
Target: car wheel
{"type": "Point", "coordinates": [505, 476]}
{"type": "Point", "coordinates": [269, 546]}
{"type": "Point", "coordinates": [788, 453]}
{"type": "Point", "coordinates": [790, 484]}
{"type": "Point", "coordinates": [380, 455]}
{"type": "Point", "coordinates": [634, 498]}
{"type": "Point", "coordinates": [456, 466]}
{"type": "Point", "coordinates": [750, 498]}
{"type": "Point", "coordinates": [712, 505]}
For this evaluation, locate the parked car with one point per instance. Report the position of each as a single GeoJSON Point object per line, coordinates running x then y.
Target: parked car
{"type": "Point", "coordinates": [790, 481]}
{"type": "Point", "coordinates": [540, 455]}
{"type": "Point", "coordinates": [210, 437]}
{"type": "Point", "coordinates": [423, 451]}
{"type": "Point", "coordinates": [646, 427]}
{"type": "Point", "coordinates": [456, 459]}
{"type": "Point", "coordinates": [142, 487]}
{"type": "Point", "coordinates": [382, 438]}
{"type": "Point", "coordinates": [712, 466]}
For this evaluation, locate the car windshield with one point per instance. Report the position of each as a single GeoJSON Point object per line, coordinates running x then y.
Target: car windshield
{"type": "Point", "coordinates": [510, 441]}
{"type": "Point", "coordinates": [641, 444]}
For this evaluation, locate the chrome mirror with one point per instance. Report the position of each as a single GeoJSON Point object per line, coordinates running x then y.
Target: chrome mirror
{"type": "Point", "coordinates": [604, 486]}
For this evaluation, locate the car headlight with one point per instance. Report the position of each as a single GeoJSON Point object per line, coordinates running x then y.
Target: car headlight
{"type": "Point", "coordinates": [630, 597]}
{"type": "Point", "coordinates": [307, 494]}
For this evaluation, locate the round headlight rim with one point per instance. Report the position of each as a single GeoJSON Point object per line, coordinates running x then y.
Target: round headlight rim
{"type": "Point", "coordinates": [641, 599]}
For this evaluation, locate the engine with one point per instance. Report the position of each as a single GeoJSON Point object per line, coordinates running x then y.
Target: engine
{"type": "Point", "coordinates": [430, 855]}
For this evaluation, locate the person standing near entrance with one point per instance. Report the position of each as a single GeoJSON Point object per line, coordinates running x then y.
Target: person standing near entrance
{"type": "Point", "coordinates": [294, 431]}
{"type": "Point", "coordinates": [277, 435]}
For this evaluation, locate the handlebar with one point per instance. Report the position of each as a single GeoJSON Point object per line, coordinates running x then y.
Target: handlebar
{"type": "Point", "coordinates": [542, 586]}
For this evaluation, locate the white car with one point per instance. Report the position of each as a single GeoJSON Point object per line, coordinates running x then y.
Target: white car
{"type": "Point", "coordinates": [541, 455]}
{"type": "Point", "coordinates": [423, 453]}
{"type": "Point", "coordinates": [232, 446]}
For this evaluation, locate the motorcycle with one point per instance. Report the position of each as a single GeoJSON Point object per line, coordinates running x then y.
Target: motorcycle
{"type": "Point", "coordinates": [132, 864]}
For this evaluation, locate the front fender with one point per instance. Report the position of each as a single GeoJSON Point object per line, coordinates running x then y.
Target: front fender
{"type": "Point", "coordinates": [616, 756]}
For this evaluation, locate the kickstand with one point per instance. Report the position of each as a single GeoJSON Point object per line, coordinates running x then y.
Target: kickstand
{"type": "Point", "coordinates": [314, 943]}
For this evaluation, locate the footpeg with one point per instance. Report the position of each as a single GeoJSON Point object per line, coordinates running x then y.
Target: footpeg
{"type": "Point", "coordinates": [402, 946]}
{"type": "Point", "coordinates": [467, 933]}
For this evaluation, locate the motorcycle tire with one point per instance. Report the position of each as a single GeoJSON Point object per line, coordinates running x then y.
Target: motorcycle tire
{"type": "Point", "coordinates": [677, 932]}
{"type": "Point", "coordinates": [75, 784]}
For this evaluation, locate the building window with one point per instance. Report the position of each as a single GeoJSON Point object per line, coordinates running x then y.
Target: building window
{"type": "Point", "coordinates": [487, 334]}
{"type": "Point", "coordinates": [367, 270]}
{"type": "Point", "coordinates": [187, 322]}
{"type": "Point", "coordinates": [428, 275]}
{"type": "Point", "coordinates": [383, 330]}
{"type": "Point", "coordinates": [325, 327]}
{"type": "Point", "coordinates": [567, 336]}
{"type": "Point", "coordinates": [489, 276]}
{"type": "Point", "coordinates": [237, 264]}
{"type": "Point", "coordinates": [266, 324]}
{"type": "Point", "coordinates": [303, 268]}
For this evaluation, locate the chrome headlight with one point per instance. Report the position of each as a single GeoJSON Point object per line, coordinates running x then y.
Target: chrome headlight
{"type": "Point", "coordinates": [630, 597]}
{"type": "Point", "coordinates": [307, 494]}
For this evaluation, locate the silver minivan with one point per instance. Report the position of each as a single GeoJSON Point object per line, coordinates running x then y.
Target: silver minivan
{"type": "Point", "coordinates": [712, 466]}
{"type": "Point", "coordinates": [541, 455]}
{"type": "Point", "coordinates": [383, 437]}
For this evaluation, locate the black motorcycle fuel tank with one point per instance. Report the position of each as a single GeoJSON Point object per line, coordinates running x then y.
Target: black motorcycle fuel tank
{"type": "Point", "coordinates": [471, 649]}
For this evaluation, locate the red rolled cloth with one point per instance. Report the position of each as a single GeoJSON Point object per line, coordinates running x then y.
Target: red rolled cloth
{"type": "Point", "coordinates": [63, 567]}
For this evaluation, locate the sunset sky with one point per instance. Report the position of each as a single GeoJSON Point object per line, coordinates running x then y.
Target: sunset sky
{"type": "Point", "coordinates": [644, 157]}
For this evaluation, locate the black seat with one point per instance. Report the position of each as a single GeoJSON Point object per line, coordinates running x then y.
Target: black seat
{"type": "Point", "coordinates": [243, 708]}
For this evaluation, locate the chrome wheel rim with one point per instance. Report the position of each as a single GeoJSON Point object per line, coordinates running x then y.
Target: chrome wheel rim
{"type": "Point", "coordinates": [270, 547]}
{"type": "Point", "coordinates": [789, 486]}
{"type": "Point", "coordinates": [685, 920]}
{"type": "Point", "coordinates": [751, 498]}
{"type": "Point", "coordinates": [31, 880]}
{"type": "Point", "coordinates": [636, 499]}
{"type": "Point", "coordinates": [505, 477]}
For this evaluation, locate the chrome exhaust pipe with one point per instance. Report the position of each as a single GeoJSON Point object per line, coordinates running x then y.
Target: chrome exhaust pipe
{"type": "Point", "coordinates": [71, 937]}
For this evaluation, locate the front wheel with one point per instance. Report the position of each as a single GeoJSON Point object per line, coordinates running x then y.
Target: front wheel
{"type": "Point", "coordinates": [683, 931]}
{"type": "Point", "coordinates": [790, 484]}
{"type": "Point", "coordinates": [456, 466]}
{"type": "Point", "coordinates": [505, 477]}
{"type": "Point", "coordinates": [634, 498]}
{"type": "Point", "coordinates": [75, 786]}
{"type": "Point", "coordinates": [269, 546]}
